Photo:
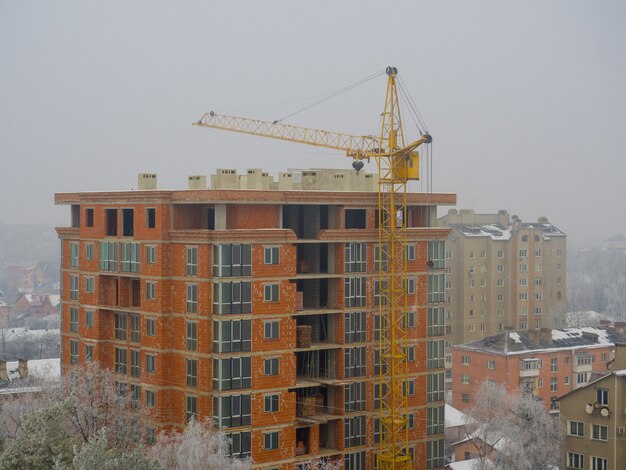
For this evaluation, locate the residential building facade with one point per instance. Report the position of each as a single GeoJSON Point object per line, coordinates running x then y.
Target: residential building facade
{"type": "Point", "coordinates": [501, 272]}
{"type": "Point", "coordinates": [547, 363]}
{"type": "Point", "coordinates": [594, 420]}
{"type": "Point", "coordinates": [257, 307]}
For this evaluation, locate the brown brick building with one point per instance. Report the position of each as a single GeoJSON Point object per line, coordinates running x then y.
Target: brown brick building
{"type": "Point", "coordinates": [257, 307]}
{"type": "Point", "coordinates": [548, 363]}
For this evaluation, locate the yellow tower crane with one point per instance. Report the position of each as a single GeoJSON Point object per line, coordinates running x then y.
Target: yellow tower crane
{"type": "Point", "coordinates": [398, 163]}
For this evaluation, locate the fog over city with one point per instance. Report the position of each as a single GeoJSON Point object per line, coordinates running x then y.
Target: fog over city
{"type": "Point", "coordinates": [525, 100]}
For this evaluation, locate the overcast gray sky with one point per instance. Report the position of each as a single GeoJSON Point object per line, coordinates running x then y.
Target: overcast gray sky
{"type": "Point", "coordinates": [526, 100]}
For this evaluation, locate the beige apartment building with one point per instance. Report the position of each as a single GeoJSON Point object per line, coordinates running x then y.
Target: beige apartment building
{"type": "Point", "coordinates": [501, 273]}
{"type": "Point", "coordinates": [594, 420]}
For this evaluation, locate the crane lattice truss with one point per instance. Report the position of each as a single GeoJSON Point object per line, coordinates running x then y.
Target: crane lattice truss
{"type": "Point", "coordinates": [397, 163]}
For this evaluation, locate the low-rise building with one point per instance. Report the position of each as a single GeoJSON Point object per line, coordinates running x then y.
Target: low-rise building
{"type": "Point", "coordinates": [594, 420]}
{"type": "Point", "coordinates": [546, 362]}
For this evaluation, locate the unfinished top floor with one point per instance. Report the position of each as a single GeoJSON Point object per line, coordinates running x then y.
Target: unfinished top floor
{"type": "Point", "coordinates": [153, 213]}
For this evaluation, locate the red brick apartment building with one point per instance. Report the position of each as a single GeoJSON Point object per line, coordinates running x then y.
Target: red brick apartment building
{"type": "Point", "coordinates": [256, 307]}
{"type": "Point", "coordinates": [549, 363]}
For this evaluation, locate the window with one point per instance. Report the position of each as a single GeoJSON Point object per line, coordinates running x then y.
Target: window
{"type": "Point", "coordinates": [355, 257]}
{"type": "Point", "coordinates": [523, 325]}
{"type": "Point", "coordinates": [598, 463]}
{"type": "Point", "coordinates": [602, 396]}
{"type": "Point", "coordinates": [381, 258]}
{"type": "Point", "coordinates": [354, 291]}
{"type": "Point", "coordinates": [434, 354]}
{"type": "Point", "coordinates": [472, 298]}
{"type": "Point", "coordinates": [483, 283]}
{"type": "Point", "coordinates": [271, 403]}
{"type": "Point", "coordinates": [150, 327]}
{"type": "Point", "coordinates": [192, 298]}
{"type": "Point", "coordinates": [559, 252]}
{"type": "Point", "coordinates": [434, 421]}
{"type": "Point", "coordinates": [354, 327]}
{"type": "Point", "coordinates": [537, 310]}
{"type": "Point", "coordinates": [434, 454]}
{"type": "Point", "coordinates": [436, 285]}
{"type": "Point", "coordinates": [130, 260]}
{"type": "Point", "coordinates": [232, 336]}
{"type": "Point", "coordinates": [567, 380]}
{"type": "Point", "coordinates": [240, 444]}
{"type": "Point", "coordinates": [380, 292]}
{"type": "Point", "coordinates": [150, 290]}
{"type": "Point", "coordinates": [232, 297]}
{"type": "Point", "coordinates": [232, 373]}
{"type": "Point", "coordinates": [74, 319]}
{"type": "Point", "coordinates": [271, 255]}
{"type": "Point", "coordinates": [500, 297]}
{"type": "Point", "coordinates": [74, 254]}
{"type": "Point", "coordinates": [192, 372]}
{"type": "Point", "coordinates": [523, 253]}
{"type": "Point", "coordinates": [270, 440]}
{"type": "Point", "coordinates": [581, 378]}
{"type": "Point", "coordinates": [151, 254]}
{"type": "Point", "coordinates": [354, 362]}
{"type": "Point", "coordinates": [73, 351]}
{"type": "Point", "coordinates": [483, 254]}
{"type": "Point", "coordinates": [377, 394]}
{"type": "Point", "coordinates": [410, 253]}
{"type": "Point", "coordinates": [232, 411]}
{"type": "Point", "coordinates": [471, 255]}
{"type": "Point", "coordinates": [150, 398]}
{"type": "Point", "coordinates": [538, 267]}
{"type": "Point", "coordinates": [523, 268]}
{"type": "Point", "coordinates": [128, 222]}
{"type": "Point", "coordinates": [465, 360]}
{"type": "Point", "coordinates": [576, 428]}
{"type": "Point", "coordinates": [500, 268]}
{"type": "Point", "coordinates": [150, 217]}
{"type": "Point", "coordinates": [191, 266]}
{"type": "Point", "coordinates": [524, 238]}
{"type": "Point", "coordinates": [135, 328]}
{"type": "Point", "coordinates": [354, 397]}
{"type": "Point", "coordinates": [135, 363]}
{"type": "Point", "coordinates": [89, 348]}
{"type": "Point", "coordinates": [192, 407]}
{"type": "Point", "coordinates": [436, 254]}
{"type": "Point", "coordinates": [553, 364]}
{"type": "Point", "coordinates": [354, 431]}
{"type": "Point", "coordinates": [89, 251]}
{"type": "Point", "coordinates": [110, 222]}
{"type": "Point", "coordinates": [89, 318]}
{"type": "Point", "coordinates": [523, 281]}
{"type": "Point", "coordinates": [377, 363]}
{"type": "Point", "coordinates": [121, 360]}
{"type": "Point", "coordinates": [465, 378]}
{"type": "Point", "coordinates": [465, 398]}
{"type": "Point", "coordinates": [491, 364]}
{"type": "Point", "coordinates": [553, 384]}
{"type": "Point", "coordinates": [232, 260]}
{"type": "Point", "coordinates": [89, 217]}
{"type": "Point", "coordinates": [409, 286]}
{"type": "Point", "coordinates": [471, 328]}
{"type": "Point", "coordinates": [523, 296]}
{"type": "Point", "coordinates": [436, 321]}
{"type": "Point", "coordinates": [574, 461]}
{"type": "Point", "coordinates": [500, 283]}
{"type": "Point", "coordinates": [120, 326]}
{"type": "Point", "coordinates": [270, 292]}
{"type": "Point", "coordinates": [191, 329]}
{"type": "Point", "coordinates": [150, 363]}
{"type": "Point", "coordinates": [73, 287]}
{"type": "Point", "coordinates": [411, 386]}
{"type": "Point", "coordinates": [270, 366]}
{"type": "Point", "coordinates": [435, 386]}
{"type": "Point", "coordinates": [558, 266]}
{"type": "Point", "coordinates": [599, 432]}
{"type": "Point", "coordinates": [537, 295]}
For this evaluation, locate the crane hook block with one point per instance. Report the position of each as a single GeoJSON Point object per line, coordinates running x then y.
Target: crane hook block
{"type": "Point", "coordinates": [391, 71]}
{"type": "Point", "coordinates": [428, 138]}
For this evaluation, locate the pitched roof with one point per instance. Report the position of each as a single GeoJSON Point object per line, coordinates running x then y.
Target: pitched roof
{"type": "Point", "coordinates": [519, 342]}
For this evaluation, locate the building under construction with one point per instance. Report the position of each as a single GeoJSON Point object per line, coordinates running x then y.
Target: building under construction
{"type": "Point", "coordinates": [257, 303]}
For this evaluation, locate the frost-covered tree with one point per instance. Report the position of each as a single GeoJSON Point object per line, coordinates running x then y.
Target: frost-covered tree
{"type": "Point", "coordinates": [199, 447]}
{"type": "Point", "coordinates": [96, 454]}
{"type": "Point", "coordinates": [320, 463]}
{"type": "Point", "coordinates": [512, 430]}
{"type": "Point", "coordinates": [96, 401]}
{"type": "Point", "coordinates": [40, 442]}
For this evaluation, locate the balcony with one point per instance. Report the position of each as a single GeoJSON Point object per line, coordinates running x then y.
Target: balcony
{"type": "Point", "coordinates": [529, 368]}
{"type": "Point", "coordinates": [315, 332]}
{"type": "Point", "coordinates": [583, 363]}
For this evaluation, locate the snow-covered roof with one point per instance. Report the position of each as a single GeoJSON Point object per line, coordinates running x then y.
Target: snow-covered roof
{"type": "Point", "coordinates": [10, 334]}
{"type": "Point", "coordinates": [470, 464]}
{"type": "Point", "coordinates": [493, 231]}
{"type": "Point", "coordinates": [55, 299]}
{"type": "Point", "coordinates": [44, 369]}
{"type": "Point", "coordinates": [454, 417]}
{"type": "Point", "coordinates": [519, 342]}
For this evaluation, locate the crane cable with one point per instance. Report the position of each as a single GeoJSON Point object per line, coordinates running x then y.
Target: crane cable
{"type": "Point", "coordinates": [332, 95]}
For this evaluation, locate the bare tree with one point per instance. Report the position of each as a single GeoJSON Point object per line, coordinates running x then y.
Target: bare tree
{"type": "Point", "coordinates": [199, 447]}
{"type": "Point", "coordinates": [512, 431]}
{"type": "Point", "coordinates": [96, 401]}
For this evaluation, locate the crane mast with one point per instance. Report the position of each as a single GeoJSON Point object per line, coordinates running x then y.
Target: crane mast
{"type": "Point", "coordinates": [398, 163]}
